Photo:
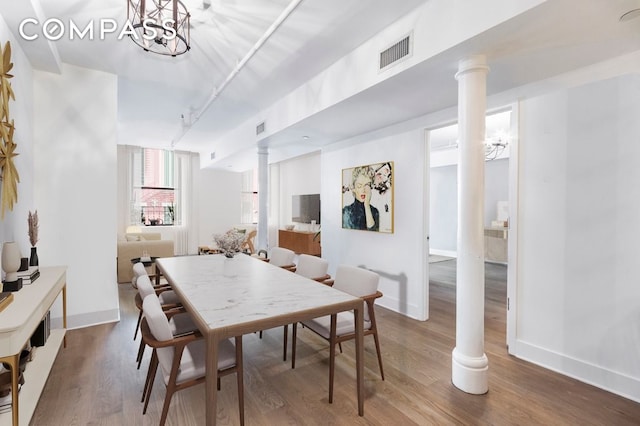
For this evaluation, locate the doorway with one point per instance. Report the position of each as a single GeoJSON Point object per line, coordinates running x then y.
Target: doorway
{"type": "Point", "coordinates": [500, 186]}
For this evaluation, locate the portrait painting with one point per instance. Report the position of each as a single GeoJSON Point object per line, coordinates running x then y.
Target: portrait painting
{"type": "Point", "coordinates": [367, 197]}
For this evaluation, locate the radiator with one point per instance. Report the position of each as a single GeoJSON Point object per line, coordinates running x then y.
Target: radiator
{"type": "Point", "coordinates": [181, 240]}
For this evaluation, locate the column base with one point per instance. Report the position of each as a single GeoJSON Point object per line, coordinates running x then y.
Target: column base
{"type": "Point", "coordinates": [470, 374]}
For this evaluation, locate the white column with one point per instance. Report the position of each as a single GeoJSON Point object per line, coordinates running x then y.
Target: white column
{"type": "Point", "coordinates": [469, 362]}
{"type": "Point", "coordinates": [262, 236]}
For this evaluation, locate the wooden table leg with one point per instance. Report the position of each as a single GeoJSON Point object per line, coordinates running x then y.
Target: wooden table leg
{"type": "Point", "coordinates": [332, 355]}
{"type": "Point", "coordinates": [64, 312]}
{"type": "Point", "coordinates": [212, 379]}
{"type": "Point", "coordinates": [359, 319]}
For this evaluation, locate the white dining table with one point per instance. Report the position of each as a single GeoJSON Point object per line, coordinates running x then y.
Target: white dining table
{"type": "Point", "coordinates": [242, 295]}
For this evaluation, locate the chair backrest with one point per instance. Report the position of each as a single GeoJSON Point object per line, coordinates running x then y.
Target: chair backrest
{"type": "Point", "coordinates": [357, 282]}
{"type": "Point", "coordinates": [159, 326]}
{"type": "Point", "coordinates": [145, 287]}
{"type": "Point", "coordinates": [311, 266]}
{"type": "Point", "coordinates": [281, 256]}
{"type": "Point", "coordinates": [138, 271]}
{"type": "Point", "coordinates": [248, 242]}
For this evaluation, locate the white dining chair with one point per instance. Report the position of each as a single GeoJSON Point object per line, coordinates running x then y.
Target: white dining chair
{"type": "Point", "coordinates": [179, 320]}
{"type": "Point", "coordinates": [282, 257]}
{"type": "Point", "coordinates": [182, 359]}
{"type": "Point", "coordinates": [312, 267]}
{"type": "Point", "coordinates": [357, 282]}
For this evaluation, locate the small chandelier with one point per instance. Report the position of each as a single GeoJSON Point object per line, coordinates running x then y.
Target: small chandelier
{"type": "Point", "coordinates": [159, 26]}
{"type": "Point", "coordinates": [495, 146]}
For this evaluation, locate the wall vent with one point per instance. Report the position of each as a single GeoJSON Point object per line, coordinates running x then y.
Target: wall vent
{"type": "Point", "coordinates": [213, 155]}
{"type": "Point", "coordinates": [397, 51]}
{"type": "Point", "coordinates": [260, 128]}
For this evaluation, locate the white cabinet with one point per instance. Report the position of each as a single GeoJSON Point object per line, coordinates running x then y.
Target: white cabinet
{"type": "Point", "coordinates": [495, 244]}
{"type": "Point", "coordinates": [18, 321]}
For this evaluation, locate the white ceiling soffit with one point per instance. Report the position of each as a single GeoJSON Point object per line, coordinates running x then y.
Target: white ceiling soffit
{"type": "Point", "coordinates": [42, 53]}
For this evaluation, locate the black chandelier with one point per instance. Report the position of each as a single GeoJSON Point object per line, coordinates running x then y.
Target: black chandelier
{"type": "Point", "coordinates": [159, 26]}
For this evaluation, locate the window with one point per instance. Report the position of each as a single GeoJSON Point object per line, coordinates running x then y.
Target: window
{"type": "Point", "coordinates": [153, 189]}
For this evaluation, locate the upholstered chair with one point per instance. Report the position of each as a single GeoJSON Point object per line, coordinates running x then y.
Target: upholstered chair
{"type": "Point", "coordinates": [282, 257]}
{"type": "Point", "coordinates": [182, 359]}
{"type": "Point", "coordinates": [179, 320]}
{"type": "Point", "coordinates": [357, 282]}
{"type": "Point", "coordinates": [311, 267]}
{"type": "Point", "coordinates": [168, 297]}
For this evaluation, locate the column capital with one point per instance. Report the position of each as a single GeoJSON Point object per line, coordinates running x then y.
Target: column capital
{"type": "Point", "coordinates": [473, 63]}
{"type": "Point", "coordinates": [263, 148]}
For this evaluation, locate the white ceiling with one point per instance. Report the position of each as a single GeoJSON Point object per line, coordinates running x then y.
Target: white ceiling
{"type": "Point", "coordinates": [155, 91]}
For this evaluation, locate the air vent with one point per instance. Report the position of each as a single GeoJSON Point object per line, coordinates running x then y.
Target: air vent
{"type": "Point", "coordinates": [213, 155]}
{"type": "Point", "coordinates": [393, 54]}
{"type": "Point", "coordinates": [260, 128]}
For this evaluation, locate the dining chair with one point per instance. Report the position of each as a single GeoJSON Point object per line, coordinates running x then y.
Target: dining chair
{"type": "Point", "coordinates": [168, 297]}
{"type": "Point", "coordinates": [248, 245]}
{"type": "Point", "coordinates": [311, 267]}
{"type": "Point", "coordinates": [179, 320]}
{"type": "Point", "coordinates": [139, 270]}
{"type": "Point", "coordinates": [357, 282]}
{"type": "Point", "coordinates": [282, 257]}
{"type": "Point", "coordinates": [182, 359]}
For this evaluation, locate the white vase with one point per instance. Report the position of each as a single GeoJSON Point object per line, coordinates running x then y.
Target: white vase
{"type": "Point", "coordinates": [11, 260]}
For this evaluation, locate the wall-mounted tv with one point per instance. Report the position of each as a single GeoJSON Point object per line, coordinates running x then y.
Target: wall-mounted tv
{"type": "Point", "coordinates": [305, 208]}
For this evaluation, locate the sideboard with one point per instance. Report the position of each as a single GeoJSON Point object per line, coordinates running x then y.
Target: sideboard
{"type": "Point", "coordinates": [18, 321]}
{"type": "Point", "coordinates": [300, 241]}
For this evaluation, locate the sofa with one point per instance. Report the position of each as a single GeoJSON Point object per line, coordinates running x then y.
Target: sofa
{"type": "Point", "coordinates": [132, 245]}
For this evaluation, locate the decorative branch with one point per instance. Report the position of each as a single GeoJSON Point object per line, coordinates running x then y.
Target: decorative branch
{"type": "Point", "coordinates": [33, 228]}
{"type": "Point", "coordinates": [9, 174]}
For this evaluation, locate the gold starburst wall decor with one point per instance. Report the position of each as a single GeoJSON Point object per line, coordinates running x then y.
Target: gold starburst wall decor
{"type": "Point", "coordinates": [10, 176]}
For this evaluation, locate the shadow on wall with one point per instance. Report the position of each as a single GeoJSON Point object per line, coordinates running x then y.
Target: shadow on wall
{"type": "Point", "coordinates": [400, 278]}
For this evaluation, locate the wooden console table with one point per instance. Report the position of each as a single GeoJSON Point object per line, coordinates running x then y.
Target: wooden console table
{"type": "Point", "coordinates": [18, 321]}
{"type": "Point", "coordinates": [299, 241]}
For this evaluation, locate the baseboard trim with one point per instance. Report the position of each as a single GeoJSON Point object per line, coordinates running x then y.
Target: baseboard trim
{"type": "Point", "coordinates": [611, 381]}
{"type": "Point", "coordinates": [87, 319]}
{"type": "Point", "coordinates": [448, 253]}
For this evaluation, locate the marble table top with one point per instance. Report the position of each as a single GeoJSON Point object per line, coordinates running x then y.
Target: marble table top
{"type": "Point", "coordinates": [226, 293]}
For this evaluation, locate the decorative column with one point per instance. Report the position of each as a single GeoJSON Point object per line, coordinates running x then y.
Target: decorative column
{"type": "Point", "coordinates": [262, 236]}
{"type": "Point", "coordinates": [469, 362]}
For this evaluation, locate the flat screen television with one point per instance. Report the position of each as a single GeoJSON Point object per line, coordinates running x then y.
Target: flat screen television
{"type": "Point", "coordinates": [305, 208]}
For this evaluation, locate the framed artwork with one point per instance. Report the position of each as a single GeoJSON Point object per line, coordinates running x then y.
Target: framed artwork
{"type": "Point", "coordinates": [367, 197]}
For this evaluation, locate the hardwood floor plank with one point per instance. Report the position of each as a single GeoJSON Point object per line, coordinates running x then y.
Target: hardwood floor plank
{"type": "Point", "coordinates": [95, 381]}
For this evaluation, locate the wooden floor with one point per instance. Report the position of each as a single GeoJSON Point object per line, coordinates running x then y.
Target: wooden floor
{"type": "Point", "coordinates": [95, 381]}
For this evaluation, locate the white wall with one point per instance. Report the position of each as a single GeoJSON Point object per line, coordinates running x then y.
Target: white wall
{"type": "Point", "coordinates": [14, 223]}
{"type": "Point", "coordinates": [397, 257]}
{"type": "Point", "coordinates": [75, 187]}
{"type": "Point", "coordinates": [578, 300]}
{"type": "Point", "coordinates": [298, 176]}
{"type": "Point", "coordinates": [443, 207]}
{"type": "Point", "coordinates": [217, 197]}
{"type": "Point", "coordinates": [443, 210]}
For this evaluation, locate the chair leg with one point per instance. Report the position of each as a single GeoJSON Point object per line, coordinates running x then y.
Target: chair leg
{"type": "Point", "coordinates": [286, 336]}
{"type": "Point", "coordinates": [135, 334]}
{"type": "Point", "coordinates": [165, 406]}
{"type": "Point", "coordinates": [294, 336]}
{"type": "Point", "coordinates": [375, 339]}
{"type": "Point", "coordinates": [240, 378]}
{"type": "Point", "coordinates": [148, 384]}
{"type": "Point", "coordinates": [140, 353]}
{"type": "Point", "coordinates": [340, 346]}
{"type": "Point", "coordinates": [332, 355]}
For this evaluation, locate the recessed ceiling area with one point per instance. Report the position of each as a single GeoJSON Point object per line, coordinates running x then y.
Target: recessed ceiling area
{"type": "Point", "coordinates": [158, 97]}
